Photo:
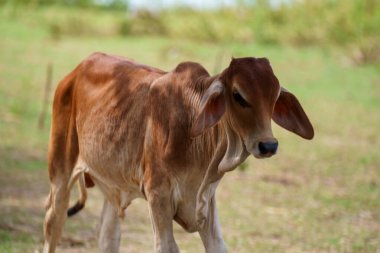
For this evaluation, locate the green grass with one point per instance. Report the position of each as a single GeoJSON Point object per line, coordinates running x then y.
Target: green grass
{"type": "Point", "coordinates": [318, 196]}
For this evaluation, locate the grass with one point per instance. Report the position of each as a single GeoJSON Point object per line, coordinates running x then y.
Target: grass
{"type": "Point", "coordinates": [318, 196]}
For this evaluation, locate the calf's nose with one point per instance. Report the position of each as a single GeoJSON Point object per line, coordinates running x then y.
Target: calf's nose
{"type": "Point", "coordinates": [269, 147]}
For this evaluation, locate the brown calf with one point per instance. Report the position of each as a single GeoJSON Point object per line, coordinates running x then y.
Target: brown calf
{"type": "Point", "coordinates": [168, 137]}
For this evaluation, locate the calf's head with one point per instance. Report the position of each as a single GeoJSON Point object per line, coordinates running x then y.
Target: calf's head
{"type": "Point", "coordinates": [245, 98]}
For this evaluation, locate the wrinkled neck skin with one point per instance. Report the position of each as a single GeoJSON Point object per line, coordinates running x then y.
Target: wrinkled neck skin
{"type": "Point", "coordinates": [228, 149]}
{"type": "Point", "coordinates": [236, 152]}
{"type": "Point", "coordinates": [225, 153]}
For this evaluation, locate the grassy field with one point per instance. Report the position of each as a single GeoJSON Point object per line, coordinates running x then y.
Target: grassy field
{"type": "Point", "coordinates": [318, 196]}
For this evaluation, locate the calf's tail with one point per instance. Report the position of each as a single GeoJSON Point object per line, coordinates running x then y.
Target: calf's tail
{"type": "Point", "coordinates": [84, 181]}
{"type": "Point", "coordinates": [82, 197]}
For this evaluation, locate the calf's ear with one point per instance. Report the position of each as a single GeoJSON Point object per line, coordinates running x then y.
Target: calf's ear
{"type": "Point", "coordinates": [288, 113]}
{"type": "Point", "coordinates": [212, 108]}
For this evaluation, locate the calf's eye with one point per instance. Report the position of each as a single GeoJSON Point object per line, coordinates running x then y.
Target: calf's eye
{"type": "Point", "coordinates": [240, 100]}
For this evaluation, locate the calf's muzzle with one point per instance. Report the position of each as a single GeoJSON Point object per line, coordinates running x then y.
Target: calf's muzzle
{"type": "Point", "coordinates": [268, 148]}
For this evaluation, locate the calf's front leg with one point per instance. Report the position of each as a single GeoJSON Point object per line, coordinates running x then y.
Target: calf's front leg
{"type": "Point", "coordinates": [161, 215]}
{"type": "Point", "coordinates": [210, 233]}
{"type": "Point", "coordinates": [109, 229]}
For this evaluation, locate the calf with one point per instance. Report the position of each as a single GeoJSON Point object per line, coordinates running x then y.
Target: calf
{"type": "Point", "coordinates": [168, 137]}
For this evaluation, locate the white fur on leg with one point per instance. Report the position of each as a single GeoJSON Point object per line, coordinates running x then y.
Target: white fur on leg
{"type": "Point", "coordinates": [109, 229]}
{"type": "Point", "coordinates": [210, 233]}
{"type": "Point", "coordinates": [46, 247]}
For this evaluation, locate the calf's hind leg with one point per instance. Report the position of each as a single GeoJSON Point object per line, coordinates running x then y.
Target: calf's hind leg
{"type": "Point", "coordinates": [56, 213]}
{"type": "Point", "coordinates": [62, 157]}
{"type": "Point", "coordinates": [57, 205]}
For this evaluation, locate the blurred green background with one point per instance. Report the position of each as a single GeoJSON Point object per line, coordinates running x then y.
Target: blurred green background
{"type": "Point", "coordinates": [314, 196]}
